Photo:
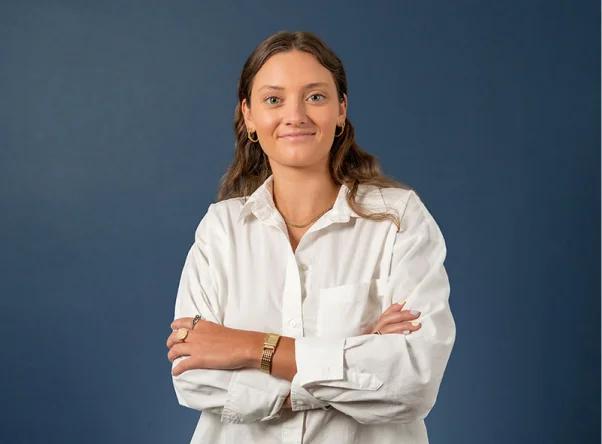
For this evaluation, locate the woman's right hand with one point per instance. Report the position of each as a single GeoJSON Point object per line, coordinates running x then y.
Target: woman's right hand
{"type": "Point", "coordinates": [396, 320]}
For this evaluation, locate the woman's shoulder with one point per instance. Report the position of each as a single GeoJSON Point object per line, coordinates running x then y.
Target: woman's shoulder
{"type": "Point", "coordinates": [215, 220]}
{"type": "Point", "coordinates": [407, 203]}
{"type": "Point", "coordinates": [228, 207]}
{"type": "Point", "coordinates": [385, 199]}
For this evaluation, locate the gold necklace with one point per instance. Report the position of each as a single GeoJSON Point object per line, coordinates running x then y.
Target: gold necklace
{"type": "Point", "coordinates": [305, 225]}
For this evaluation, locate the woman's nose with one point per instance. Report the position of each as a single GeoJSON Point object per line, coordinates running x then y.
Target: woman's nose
{"type": "Point", "coordinates": [295, 112]}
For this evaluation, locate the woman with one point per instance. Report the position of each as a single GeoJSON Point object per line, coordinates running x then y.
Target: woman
{"type": "Point", "coordinates": [308, 252]}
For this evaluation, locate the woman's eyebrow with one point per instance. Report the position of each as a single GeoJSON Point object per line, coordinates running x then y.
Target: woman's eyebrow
{"type": "Point", "coordinates": [309, 85]}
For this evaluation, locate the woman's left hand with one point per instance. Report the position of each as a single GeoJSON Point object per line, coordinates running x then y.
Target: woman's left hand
{"type": "Point", "coordinates": [210, 345]}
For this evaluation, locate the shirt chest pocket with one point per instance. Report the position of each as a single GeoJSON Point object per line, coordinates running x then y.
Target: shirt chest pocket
{"type": "Point", "coordinates": [350, 309]}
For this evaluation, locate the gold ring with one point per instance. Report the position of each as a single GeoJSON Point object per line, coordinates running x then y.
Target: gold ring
{"type": "Point", "coordinates": [182, 334]}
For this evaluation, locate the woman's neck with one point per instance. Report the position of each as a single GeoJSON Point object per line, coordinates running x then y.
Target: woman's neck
{"type": "Point", "coordinates": [301, 196]}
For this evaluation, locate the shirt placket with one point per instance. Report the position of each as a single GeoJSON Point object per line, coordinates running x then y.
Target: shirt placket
{"type": "Point", "coordinates": [292, 326]}
{"type": "Point", "coordinates": [292, 300]}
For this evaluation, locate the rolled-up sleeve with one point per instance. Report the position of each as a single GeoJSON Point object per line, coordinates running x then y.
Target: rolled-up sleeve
{"type": "Point", "coordinates": [392, 377]}
{"type": "Point", "coordinates": [239, 396]}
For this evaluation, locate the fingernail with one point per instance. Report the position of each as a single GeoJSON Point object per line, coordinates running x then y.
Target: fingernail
{"type": "Point", "coordinates": [406, 332]}
{"type": "Point", "coordinates": [415, 312]}
{"type": "Point", "coordinates": [415, 324]}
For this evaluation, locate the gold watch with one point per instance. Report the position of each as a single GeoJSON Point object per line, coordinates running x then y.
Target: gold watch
{"type": "Point", "coordinates": [269, 346]}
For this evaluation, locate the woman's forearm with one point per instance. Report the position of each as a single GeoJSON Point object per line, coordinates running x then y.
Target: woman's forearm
{"type": "Point", "coordinates": [283, 361]}
{"type": "Point", "coordinates": [284, 365]}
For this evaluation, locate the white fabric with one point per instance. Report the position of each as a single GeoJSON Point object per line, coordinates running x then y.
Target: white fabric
{"type": "Point", "coordinates": [351, 386]}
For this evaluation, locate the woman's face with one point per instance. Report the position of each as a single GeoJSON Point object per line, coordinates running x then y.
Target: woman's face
{"type": "Point", "coordinates": [292, 94]}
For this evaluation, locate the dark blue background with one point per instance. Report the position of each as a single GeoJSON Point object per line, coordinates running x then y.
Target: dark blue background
{"type": "Point", "coordinates": [116, 125]}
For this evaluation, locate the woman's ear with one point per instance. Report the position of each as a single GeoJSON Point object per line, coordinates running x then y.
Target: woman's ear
{"type": "Point", "coordinates": [246, 113]}
{"type": "Point", "coordinates": [343, 109]}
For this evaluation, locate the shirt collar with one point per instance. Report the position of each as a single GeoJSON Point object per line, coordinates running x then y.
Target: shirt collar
{"type": "Point", "coordinates": [261, 202]}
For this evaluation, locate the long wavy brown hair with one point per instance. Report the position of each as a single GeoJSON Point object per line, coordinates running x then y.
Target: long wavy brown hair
{"type": "Point", "coordinates": [348, 163]}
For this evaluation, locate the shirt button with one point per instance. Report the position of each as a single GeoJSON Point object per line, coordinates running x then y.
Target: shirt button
{"type": "Point", "coordinates": [303, 267]}
{"type": "Point", "coordinates": [292, 323]}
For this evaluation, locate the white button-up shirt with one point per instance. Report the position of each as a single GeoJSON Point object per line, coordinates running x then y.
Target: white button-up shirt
{"type": "Point", "coordinates": [351, 386]}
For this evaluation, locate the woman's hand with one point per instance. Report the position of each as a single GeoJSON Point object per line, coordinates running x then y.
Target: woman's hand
{"type": "Point", "coordinates": [396, 320]}
{"type": "Point", "coordinates": [210, 345]}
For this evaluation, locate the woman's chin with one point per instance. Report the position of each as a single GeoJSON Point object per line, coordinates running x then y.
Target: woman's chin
{"type": "Point", "coordinates": [299, 160]}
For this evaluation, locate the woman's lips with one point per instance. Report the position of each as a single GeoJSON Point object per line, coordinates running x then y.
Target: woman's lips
{"type": "Point", "coordinates": [299, 137]}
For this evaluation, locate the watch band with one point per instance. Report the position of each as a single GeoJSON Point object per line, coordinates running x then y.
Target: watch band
{"type": "Point", "coordinates": [270, 343]}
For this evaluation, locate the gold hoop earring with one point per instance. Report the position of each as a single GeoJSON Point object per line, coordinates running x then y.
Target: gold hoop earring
{"type": "Point", "coordinates": [342, 129]}
{"type": "Point", "coordinates": [249, 136]}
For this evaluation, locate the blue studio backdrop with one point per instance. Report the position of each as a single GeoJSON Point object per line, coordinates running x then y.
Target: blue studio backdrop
{"type": "Point", "coordinates": [116, 125]}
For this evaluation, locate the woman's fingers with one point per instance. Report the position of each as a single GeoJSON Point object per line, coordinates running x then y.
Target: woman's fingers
{"type": "Point", "coordinates": [406, 327]}
{"type": "Point", "coordinates": [202, 326]}
{"type": "Point", "coordinates": [398, 316]}
{"type": "Point", "coordinates": [395, 318]}
{"type": "Point", "coordinates": [172, 339]}
{"type": "Point", "coordinates": [394, 307]}
{"type": "Point", "coordinates": [178, 350]}
{"type": "Point", "coordinates": [181, 323]}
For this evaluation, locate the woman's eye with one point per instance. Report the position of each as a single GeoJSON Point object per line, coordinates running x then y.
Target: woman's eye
{"type": "Point", "coordinates": [316, 95]}
{"type": "Point", "coordinates": [273, 100]}
{"type": "Point", "coordinates": [269, 98]}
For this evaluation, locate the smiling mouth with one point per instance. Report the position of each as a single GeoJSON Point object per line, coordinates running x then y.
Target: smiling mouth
{"type": "Point", "coordinates": [298, 136]}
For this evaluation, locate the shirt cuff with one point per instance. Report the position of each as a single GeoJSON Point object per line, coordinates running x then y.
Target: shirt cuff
{"type": "Point", "coordinates": [301, 399]}
{"type": "Point", "coordinates": [318, 360]}
{"type": "Point", "coordinates": [254, 395]}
